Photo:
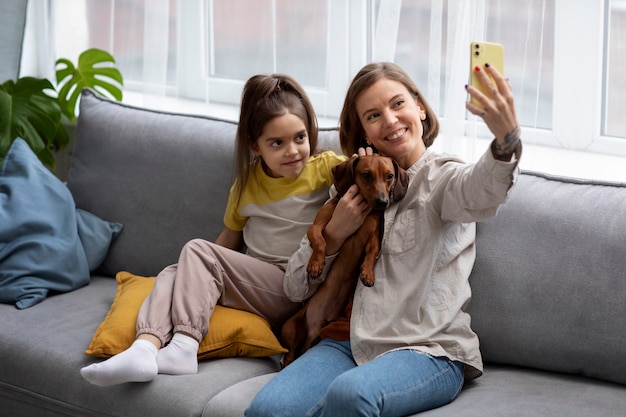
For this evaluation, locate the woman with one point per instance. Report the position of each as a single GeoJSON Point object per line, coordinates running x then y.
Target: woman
{"type": "Point", "coordinates": [405, 344]}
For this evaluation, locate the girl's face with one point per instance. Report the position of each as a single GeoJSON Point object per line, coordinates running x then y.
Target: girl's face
{"type": "Point", "coordinates": [283, 146]}
{"type": "Point", "coordinates": [392, 120]}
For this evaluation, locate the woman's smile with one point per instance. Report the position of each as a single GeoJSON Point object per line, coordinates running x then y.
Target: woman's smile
{"type": "Point", "coordinates": [396, 135]}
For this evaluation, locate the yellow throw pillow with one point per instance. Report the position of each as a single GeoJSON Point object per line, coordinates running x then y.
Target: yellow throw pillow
{"type": "Point", "coordinates": [231, 332]}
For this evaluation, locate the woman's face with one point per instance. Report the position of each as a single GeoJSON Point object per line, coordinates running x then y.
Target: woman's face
{"type": "Point", "coordinates": [392, 121]}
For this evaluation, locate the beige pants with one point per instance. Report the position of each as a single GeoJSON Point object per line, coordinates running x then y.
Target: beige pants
{"type": "Point", "coordinates": [185, 294]}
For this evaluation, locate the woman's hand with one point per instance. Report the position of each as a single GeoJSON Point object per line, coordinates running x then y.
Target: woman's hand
{"type": "Point", "coordinates": [498, 111]}
{"type": "Point", "coordinates": [363, 152]}
{"type": "Point", "coordinates": [348, 216]}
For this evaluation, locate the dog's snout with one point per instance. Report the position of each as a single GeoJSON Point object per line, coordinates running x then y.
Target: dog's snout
{"type": "Point", "coordinates": [381, 202]}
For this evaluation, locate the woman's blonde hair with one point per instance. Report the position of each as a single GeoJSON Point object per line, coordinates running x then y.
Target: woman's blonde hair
{"type": "Point", "coordinates": [351, 132]}
{"type": "Point", "coordinates": [264, 98]}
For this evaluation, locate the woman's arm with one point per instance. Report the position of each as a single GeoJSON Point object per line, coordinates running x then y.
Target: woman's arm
{"type": "Point", "coordinates": [348, 216]}
{"type": "Point", "coordinates": [498, 112]}
{"type": "Point", "coordinates": [230, 239]}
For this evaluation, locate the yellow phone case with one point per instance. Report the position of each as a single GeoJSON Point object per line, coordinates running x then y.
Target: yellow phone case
{"type": "Point", "coordinates": [480, 54]}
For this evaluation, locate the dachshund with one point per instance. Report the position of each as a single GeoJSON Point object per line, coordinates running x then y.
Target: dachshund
{"type": "Point", "coordinates": [381, 181]}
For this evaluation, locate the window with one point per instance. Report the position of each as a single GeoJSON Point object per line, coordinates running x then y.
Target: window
{"type": "Point", "coordinates": [440, 32]}
{"type": "Point", "coordinates": [615, 76]}
{"type": "Point", "coordinates": [564, 58]}
{"type": "Point", "coordinates": [235, 39]}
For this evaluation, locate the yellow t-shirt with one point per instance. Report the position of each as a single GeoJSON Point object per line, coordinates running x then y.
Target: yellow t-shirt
{"type": "Point", "coordinates": [275, 213]}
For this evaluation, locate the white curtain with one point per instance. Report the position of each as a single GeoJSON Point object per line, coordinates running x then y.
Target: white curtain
{"type": "Point", "coordinates": [38, 54]}
{"type": "Point", "coordinates": [431, 41]}
{"type": "Point", "coordinates": [156, 46]}
{"type": "Point", "coordinates": [174, 48]}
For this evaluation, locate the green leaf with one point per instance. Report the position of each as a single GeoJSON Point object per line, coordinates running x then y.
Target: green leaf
{"type": "Point", "coordinates": [29, 112]}
{"type": "Point", "coordinates": [32, 110]}
{"type": "Point", "coordinates": [96, 69]}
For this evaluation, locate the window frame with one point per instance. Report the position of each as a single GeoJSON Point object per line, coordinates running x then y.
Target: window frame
{"type": "Point", "coordinates": [346, 53]}
{"type": "Point", "coordinates": [579, 71]}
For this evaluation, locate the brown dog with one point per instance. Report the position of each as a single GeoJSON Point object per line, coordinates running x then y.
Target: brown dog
{"type": "Point", "coordinates": [380, 182]}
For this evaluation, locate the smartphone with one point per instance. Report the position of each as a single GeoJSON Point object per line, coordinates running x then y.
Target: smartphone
{"type": "Point", "coordinates": [480, 54]}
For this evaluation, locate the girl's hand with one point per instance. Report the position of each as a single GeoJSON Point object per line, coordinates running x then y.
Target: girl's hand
{"type": "Point", "coordinates": [348, 216]}
{"type": "Point", "coordinates": [230, 239]}
{"type": "Point", "coordinates": [498, 111]}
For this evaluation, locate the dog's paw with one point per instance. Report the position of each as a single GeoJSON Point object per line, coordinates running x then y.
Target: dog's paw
{"type": "Point", "coordinates": [367, 277]}
{"type": "Point", "coordinates": [315, 267]}
{"type": "Point", "coordinates": [286, 359]}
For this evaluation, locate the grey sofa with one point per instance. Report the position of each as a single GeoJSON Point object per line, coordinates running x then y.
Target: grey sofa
{"type": "Point", "coordinates": [549, 284]}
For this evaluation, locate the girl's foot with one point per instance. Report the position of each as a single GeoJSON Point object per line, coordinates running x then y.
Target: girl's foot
{"type": "Point", "coordinates": [138, 363]}
{"type": "Point", "coordinates": [180, 356]}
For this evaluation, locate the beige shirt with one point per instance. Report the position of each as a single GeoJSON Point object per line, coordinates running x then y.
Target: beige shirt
{"type": "Point", "coordinates": [421, 293]}
{"type": "Point", "coordinates": [274, 213]}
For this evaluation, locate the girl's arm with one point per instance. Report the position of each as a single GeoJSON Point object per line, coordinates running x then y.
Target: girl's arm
{"type": "Point", "coordinates": [230, 239]}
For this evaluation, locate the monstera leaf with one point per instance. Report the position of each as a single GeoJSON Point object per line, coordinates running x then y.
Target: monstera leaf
{"type": "Point", "coordinates": [30, 109]}
{"type": "Point", "coordinates": [95, 70]}
{"type": "Point", "coordinates": [28, 112]}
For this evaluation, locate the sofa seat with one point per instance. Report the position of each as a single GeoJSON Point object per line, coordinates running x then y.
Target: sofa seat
{"type": "Point", "coordinates": [502, 391]}
{"type": "Point", "coordinates": [53, 335]}
{"type": "Point", "coordinates": [50, 339]}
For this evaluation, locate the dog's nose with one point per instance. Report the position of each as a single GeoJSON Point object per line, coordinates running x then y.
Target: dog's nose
{"type": "Point", "coordinates": [382, 202]}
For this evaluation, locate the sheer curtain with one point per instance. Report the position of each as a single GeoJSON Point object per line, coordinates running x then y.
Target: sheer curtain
{"type": "Point", "coordinates": [204, 50]}
{"type": "Point", "coordinates": [433, 45]}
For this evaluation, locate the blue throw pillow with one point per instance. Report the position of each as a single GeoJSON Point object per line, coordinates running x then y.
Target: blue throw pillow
{"type": "Point", "coordinates": [46, 244]}
{"type": "Point", "coordinates": [95, 235]}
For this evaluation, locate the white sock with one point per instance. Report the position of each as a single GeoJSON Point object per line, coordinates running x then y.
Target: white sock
{"type": "Point", "coordinates": [135, 364]}
{"type": "Point", "coordinates": [180, 356]}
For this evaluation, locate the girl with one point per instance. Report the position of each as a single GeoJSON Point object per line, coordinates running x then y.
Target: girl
{"type": "Point", "coordinates": [406, 344]}
{"type": "Point", "coordinates": [277, 192]}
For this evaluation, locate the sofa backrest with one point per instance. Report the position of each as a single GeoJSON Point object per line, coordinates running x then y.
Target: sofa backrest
{"type": "Point", "coordinates": [166, 177]}
{"type": "Point", "coordinates": [549, 282]}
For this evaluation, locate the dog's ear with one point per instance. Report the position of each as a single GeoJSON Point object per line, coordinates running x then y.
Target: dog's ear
{"type": "Point", "coordinates": [344, 175]}
{"type": "Point", "coordinates": [402, 182]}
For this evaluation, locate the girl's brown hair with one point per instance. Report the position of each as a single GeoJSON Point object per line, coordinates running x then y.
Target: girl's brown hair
{"type": "Point", "coordinates": [351, 133]}
{"type": "Point", "coordinates": [264, 98]}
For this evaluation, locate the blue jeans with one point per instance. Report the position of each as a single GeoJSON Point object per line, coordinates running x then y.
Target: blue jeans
{"type": "Point", "coordinates": [326, 382]}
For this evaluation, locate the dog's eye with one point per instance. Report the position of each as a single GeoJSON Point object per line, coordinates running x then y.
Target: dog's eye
{"type": "Point", "coordinates": [390, 177]}
{"type": "Point", "coordinates": [367, 176]}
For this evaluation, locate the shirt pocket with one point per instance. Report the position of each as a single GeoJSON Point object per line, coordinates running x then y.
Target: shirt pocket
{"type": "Point", "coordinates": [401, 234]}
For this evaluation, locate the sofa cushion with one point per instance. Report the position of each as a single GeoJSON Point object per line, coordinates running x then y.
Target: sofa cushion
{"type": "Point", "coordinates": [501, 391]}
{"type": "Point", "coordinates": [45, 243]}
{"type": "Point", "coordinates": [165, 176]}
{"type": "Point", "coordinates": [233, 332]}
{"type": "Point", "coordinates": [548, 283]}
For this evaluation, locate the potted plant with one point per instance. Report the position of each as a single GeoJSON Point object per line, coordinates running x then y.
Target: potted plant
{"type": "Point", "coordinates": [35, 110]}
